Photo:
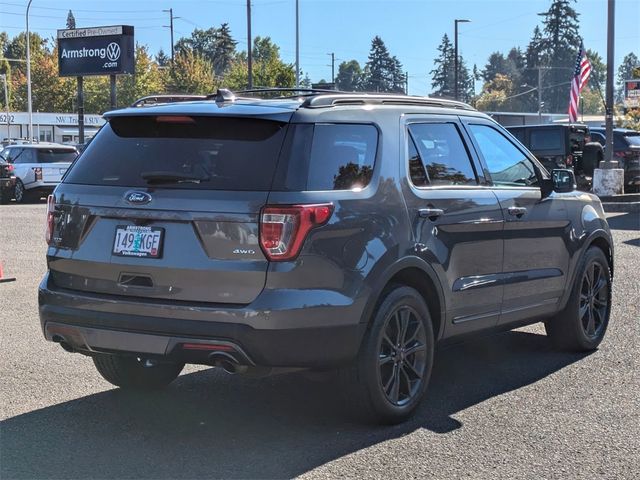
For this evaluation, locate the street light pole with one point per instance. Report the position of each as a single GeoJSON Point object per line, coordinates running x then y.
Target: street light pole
{"type": "Point", "coordinates": [249, 54]}
{"type": "Point", "coordinates": [297, 44]}
{"type": "Point", "coordinates": [29, 105]}
{"type": "Point", "coordinates": [608, 150]}
{"type": "Point", "coordinates": [455, 55]}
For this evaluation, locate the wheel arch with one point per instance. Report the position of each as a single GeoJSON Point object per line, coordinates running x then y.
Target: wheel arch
{"type": "Point", "coordinates": [416, 273]}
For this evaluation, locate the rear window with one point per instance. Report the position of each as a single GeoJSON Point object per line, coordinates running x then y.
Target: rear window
{"type": "Point", "coordinates": [214, 153]}
{"type": "Point", "coordinates": [546, 139]}
{"type": "Point", "coordinates": [334, 156]}
{"type": "Point", "coordinates": [52, 155]}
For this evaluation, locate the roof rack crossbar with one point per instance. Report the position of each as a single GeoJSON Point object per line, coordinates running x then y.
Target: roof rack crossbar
{"type": "Point", "coordinates": [381, 99]}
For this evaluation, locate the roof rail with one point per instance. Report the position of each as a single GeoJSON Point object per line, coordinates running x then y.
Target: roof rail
{"type": "Point", "coordinates": [380, 99]}
{"type": "Point", "coordinates": [155, 99]}
{"type": "Point", "coordinates": [293, 90]}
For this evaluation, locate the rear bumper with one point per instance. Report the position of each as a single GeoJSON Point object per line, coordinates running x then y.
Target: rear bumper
{"type": "Point", "coordinates": [90, 324]}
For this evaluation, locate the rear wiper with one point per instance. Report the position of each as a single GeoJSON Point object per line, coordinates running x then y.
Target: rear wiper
{"type": "Point", "coordinates": [171, 177]}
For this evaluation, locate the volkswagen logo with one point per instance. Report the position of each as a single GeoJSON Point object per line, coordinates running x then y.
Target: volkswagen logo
{"type": "Point", "coordinates": [138, 198]}
{"type": "Point", "coordinates": [113, 51]}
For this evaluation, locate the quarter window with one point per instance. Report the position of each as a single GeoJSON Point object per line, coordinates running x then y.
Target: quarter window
{"type": "Point", "coordinates": [441, 154]}
{"type": "Point", "coordinates": [507, 165]}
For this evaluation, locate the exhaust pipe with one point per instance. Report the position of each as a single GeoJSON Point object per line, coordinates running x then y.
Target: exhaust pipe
{"type": "Point", "coordinates": [227, 362]}
{"type": "Point", "coordinates": [63, 343]}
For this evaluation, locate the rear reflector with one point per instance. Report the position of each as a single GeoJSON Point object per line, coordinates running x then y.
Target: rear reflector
{"type": "Point", "coordinates": [212, 347]}
{"type": "Point", "coordinates": [51, 208]}
{"type": "Point", "coordinates": [283, 230]}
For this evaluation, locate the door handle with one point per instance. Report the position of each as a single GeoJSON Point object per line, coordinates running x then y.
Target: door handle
{"type": "Point", "coordinates": [430, 213]}
{"type": "Point", "coordinates": [517, 211]}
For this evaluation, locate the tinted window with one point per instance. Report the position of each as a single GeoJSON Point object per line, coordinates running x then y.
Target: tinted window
{"type": "Point", "coordinates": [214, 153]}
{"type": "Point", "coordinates": [416, 167]}
{"type": "Point", "coordinates": [26, 155]}
{"type": "Point", "coordinates": [518, 133]}
{"type": "Point", "coordinates": [443, 154]}
{"type": "Point", "coordinates": [546, 139]}
{"type": "Point", "coordinates": [10, 154]}
{"type": "Point", "coordinates": [327, 157]}
{"type": "Point", "coordinates": [507, 164]}
{"type": "Point", "coordinates": [51, 155]}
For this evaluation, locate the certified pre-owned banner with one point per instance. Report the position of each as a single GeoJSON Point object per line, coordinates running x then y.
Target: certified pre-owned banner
{"type": "Point", "coordinates": [96, 51]}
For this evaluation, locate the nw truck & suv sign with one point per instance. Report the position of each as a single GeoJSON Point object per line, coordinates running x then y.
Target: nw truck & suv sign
{"type": "Point", "coordinates": [96, 51]}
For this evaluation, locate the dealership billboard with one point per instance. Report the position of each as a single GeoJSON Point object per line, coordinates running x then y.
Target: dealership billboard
{"type": "Point", "coordinates": [96, 51]}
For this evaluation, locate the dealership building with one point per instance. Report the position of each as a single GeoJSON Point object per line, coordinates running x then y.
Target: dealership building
{"type": "Point", "coordinates": [49, 127]}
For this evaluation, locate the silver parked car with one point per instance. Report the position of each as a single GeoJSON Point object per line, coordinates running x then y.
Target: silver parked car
{"type": "Point", "coordinates": [38, 167]}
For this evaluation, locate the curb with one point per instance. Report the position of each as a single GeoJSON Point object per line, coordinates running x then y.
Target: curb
{"type": "Point", "coordinates": [621, 206]}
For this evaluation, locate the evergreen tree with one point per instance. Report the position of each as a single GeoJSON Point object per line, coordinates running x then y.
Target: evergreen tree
{"type": "Point", "coordinates": [442, 75]}
{"type": "Point", "coordinates": [383, 73]}
{"type": "Point", "coordinates": [349, 78]}
{"type": "Point", "coordinates": [532, 60]}
{"type": "Point", "coordinates": [162, 59]}
{"type": "Point", "coordinates": [497, 65]}
{"type": "Point", "coordinates": [558, 48]}
{"type": "Point", "coordinates": [216, 45]}
{"type": "Point", "coordinates": [71, 20]}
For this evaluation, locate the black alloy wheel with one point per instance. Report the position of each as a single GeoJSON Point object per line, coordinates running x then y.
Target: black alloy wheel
{"type": "Point", "coordinates": [594, 300]}
{"type": "Point", "coordinates": [402, 356]}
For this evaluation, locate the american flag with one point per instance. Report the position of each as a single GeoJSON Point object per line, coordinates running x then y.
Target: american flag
{"type": "Point", "coordinates": [580, 78]}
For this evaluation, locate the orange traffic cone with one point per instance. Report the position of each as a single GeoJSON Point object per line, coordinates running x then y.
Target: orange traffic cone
{"type": "Point", "coordinates": [2, 279]}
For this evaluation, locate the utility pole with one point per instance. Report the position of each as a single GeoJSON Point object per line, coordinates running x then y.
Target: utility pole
{"type": "Point", "coordinates": [6, 100]}
{"type": "Point", "coordinates": [170, 27]}
{"type": "Point", "coordinates": [297, 44]}
{"type": "Point", "coordinates": [539, 94]}
{"type": "Point", "coordinates": [608, 149]}
{"type": "Point", "coordinates": [406, 83]}
{"type": "Point", "coordinates": [29, 103]}
{"type": "Point", "coordinates": [333, 65]}
{"type": "Point", "coordinates": [249, 40]}
{"type": "Point", "coordinates": [456, 67]}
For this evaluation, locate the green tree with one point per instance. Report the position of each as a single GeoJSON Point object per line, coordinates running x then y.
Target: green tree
{"type": "Point", "coordinates": [162, 59]}
{"type": "Point", "coordinates": [496, 65]}
{"type": "Point", "coordinates": [532, 61]}
{"type": "Point", "coordinates": [442, 75]}
{"type": "Point", "coordinates": [268, 68]}
{"type": "Point", "coordinates": [349, 78]}
{"type": "Point", "coordinates": [214, 44]}
{"type": "Point", "coordinates": [559, 47]}
{"type": "Point", "coordinates": [148, 79]}
{"type": "Point", "coordinates": [382, 73]}
{"type": "Point", "coordinates": [191, 73]}
{"type": "Point", "coordinates": [71, 20]}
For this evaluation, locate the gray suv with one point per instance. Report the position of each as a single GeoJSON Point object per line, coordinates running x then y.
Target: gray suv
{"type": "Point", "coordinates": [315, 231]}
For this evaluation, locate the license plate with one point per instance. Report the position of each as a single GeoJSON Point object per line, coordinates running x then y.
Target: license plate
{"type": "Point", "coordinates": [135, 241]}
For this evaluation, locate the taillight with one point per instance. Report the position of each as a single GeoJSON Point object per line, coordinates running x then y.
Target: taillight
{"type": "Point", "coordinates": [619, 154]}
{"type": "Point", "coordinates": [9, 168]}
{"type": "Point", "coordinates": [51, 207]}
{"type": "Point", "coordinates": [283, 230]}
{"type": "Point", "coordinates": [569, 160]}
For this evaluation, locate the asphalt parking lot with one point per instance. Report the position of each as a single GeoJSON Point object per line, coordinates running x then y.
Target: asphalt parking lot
{"type": "Point", "coordinates": [507, 406]}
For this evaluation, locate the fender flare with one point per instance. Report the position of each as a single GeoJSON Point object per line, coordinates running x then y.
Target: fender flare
{"type": "Point", "coordinates": [389, 272]}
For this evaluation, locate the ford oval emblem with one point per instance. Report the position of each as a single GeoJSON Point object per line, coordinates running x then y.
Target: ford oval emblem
{"type": "Point", "coordinates": [138, 198]}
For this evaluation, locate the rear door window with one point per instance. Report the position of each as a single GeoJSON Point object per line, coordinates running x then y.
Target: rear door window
{"type": "Point", "coordinates": [191, 152]}
{"type": "Point", "coordinates": [442, 153]}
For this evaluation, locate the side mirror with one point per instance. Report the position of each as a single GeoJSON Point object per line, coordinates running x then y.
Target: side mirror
{"type": "Point", "coordinates": [561, 181]}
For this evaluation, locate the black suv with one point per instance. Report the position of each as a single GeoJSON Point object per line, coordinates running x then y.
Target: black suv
{"type": "Point", "coordinates": [320, 231]}
{"type": "Point", "coordinates": [626, 150]}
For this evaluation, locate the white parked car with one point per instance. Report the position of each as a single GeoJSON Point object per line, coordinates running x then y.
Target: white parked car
{"type": "Point", "coordinates": [38, 167]}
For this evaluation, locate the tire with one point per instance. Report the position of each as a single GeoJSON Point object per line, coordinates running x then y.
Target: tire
{"type": "Point", "coordinates": [386, 383]}
{"type": "Point", "coordinates": [130, 373]}
{"type": "Point", "coordinates": [19, 191]}
{"type": "Point", "coordinates": [581, 326]}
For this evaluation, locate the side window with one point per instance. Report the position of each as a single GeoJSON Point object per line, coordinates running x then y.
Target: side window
{"type": "Point", "coordinates": [10, 154]}
{"type": "Point", "coordinates": [507, 165]}
{"type": "Point", "coordinates": [28, 155]}
{"type": "Point", "coordinates": [443, 155]}
{"type": "Point", "coordinates": [342, 156]}
{"type": "Point", "coordinates": [416, 167]}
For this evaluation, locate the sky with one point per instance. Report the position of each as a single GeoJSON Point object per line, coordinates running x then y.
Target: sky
{"type": "Point", "coordinates": [411, 29]}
